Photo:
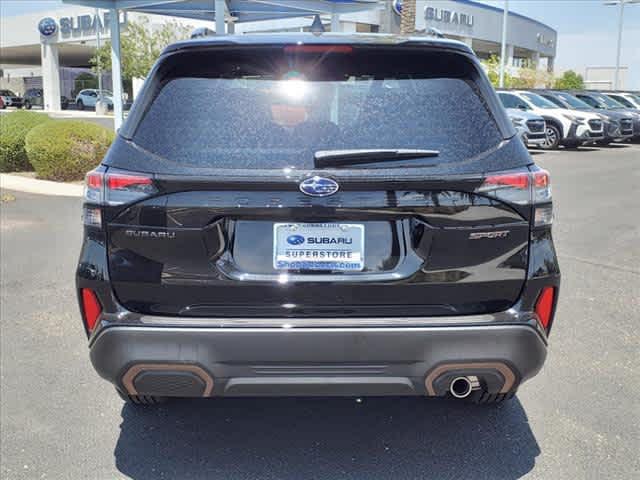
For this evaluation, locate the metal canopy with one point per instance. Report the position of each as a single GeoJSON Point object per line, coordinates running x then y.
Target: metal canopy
{"type": "Point", "coordinates": [238, 10]}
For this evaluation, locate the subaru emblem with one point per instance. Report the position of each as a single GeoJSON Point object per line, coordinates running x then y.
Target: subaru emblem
{"type": "Point", "coordinates": [295, 239]}
{"type": "Point", "coordinates": [47, 27]}
{"type": "Point", "coordinates": [319, 186]}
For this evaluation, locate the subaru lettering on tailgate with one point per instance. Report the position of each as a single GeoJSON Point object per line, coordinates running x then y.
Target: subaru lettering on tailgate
{"type": "Point", "coordinates": [322, 246]}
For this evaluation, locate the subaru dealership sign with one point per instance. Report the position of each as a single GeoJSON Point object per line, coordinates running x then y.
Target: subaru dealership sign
{"type": "Point", "coordinates": [78, 26]}
{"type": "Point", "coordinates": [452, 17]}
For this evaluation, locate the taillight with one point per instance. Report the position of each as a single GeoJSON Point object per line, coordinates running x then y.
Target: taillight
{"type": "Point", "coordinates": [93, 193]}
{"type": "Point", "coordinates": [117, 187]}
{"type": "Point", "coordinates": [541, 197]}
{"type": "Point", "coordinates": [544, 306]}
{"type": "Point", "coordinates": [126, 182]}
{"type": "Point", "coordinates": [127, 187]}
{"type": "Point", "coordinates": [510, 187]}
{"type": "Point", "coordinates": [91, 308]}
{"type": "Point", "coordinates": [93, 186]}
{"type": "Point", "coordinates": [523, 188]}
{"type": "Point", "coordinates": [541, 186]}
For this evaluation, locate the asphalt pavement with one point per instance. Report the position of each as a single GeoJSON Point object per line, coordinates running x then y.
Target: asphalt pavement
{"type": "Point", "coordinates": [578, 419]}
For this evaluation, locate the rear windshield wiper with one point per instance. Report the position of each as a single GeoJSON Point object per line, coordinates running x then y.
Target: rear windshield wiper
{"type": "Point", "coordinates": [339, 158]}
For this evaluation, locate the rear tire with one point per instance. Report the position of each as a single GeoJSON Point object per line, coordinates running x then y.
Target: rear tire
{"type": "Point", "coordinates": [141, 399]}
{"type": "Point", "coordinates": [552, 139]}
{"type": "Point", "coordinates": [485, 398]}
{"type": "Point", "coordinates": [27, 105]}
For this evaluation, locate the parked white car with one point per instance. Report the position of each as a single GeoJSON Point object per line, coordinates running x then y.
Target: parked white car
{"type": "Point", "coordinates": [629, 100]}
{"type": "Point", "coordinates": [531, 128]}
{"type": "Point", "coordinates": [89, 97]}
{"type": "Point", "coordinates": [563, 126]}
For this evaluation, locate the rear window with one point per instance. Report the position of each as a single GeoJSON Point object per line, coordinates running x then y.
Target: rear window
{"type": "Point", "coordinates": [275, 109]}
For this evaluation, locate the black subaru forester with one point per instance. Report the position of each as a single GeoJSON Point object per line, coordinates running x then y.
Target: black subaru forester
{"type": "Point", "coordinates": [317, 215]}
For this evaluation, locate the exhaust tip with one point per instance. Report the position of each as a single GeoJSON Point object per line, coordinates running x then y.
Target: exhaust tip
{"type": "Point", "coordinates": [461, 387]}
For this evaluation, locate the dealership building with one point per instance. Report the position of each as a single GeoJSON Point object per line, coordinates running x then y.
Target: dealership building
{"type": "Point", "coordinates": [52, 49]}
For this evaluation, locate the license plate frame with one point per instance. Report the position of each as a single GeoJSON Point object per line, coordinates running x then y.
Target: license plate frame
{"type": "Point", "coordinates": [334, 247]}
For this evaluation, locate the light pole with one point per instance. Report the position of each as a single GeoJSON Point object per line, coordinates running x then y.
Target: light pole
{"type": "Point", "coordinates": [621, 4]}
{"type": "Point", "coordinates": [503, 47]}
{"type": "Point", "coordinates": [99, 46]}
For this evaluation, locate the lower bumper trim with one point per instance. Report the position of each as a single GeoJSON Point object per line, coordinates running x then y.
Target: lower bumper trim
{"type": "Point", "coordinates": [316, 361]}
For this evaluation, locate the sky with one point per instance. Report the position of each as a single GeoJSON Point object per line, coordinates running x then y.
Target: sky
{"type": "Point", "coordinates": [587, 30]}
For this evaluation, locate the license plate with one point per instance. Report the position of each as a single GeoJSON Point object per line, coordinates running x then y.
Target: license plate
{"type": "Point", "coordinates": [318, 246]}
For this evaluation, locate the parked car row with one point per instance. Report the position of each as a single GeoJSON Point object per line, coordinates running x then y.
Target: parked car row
{"type": "Point", "coordinates": [33, 97]}
{"type": "Point", "coordinates": [572, 118]}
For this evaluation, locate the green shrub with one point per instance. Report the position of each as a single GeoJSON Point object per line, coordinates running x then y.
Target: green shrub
{"type": "Point", "coordinates": [66, 150]}
{"type": "Point", "coordinates": [569, 80]}
{"type": "Point", "coordinates": [14, 128]}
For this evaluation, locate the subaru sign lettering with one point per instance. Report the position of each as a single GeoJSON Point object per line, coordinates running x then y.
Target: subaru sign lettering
{"type": "Point", "coordinates": [319, 186]}
{"type": "Point", "coordinates": [295, 239]}
{"type": "Point", "coordinates": [47, 27]}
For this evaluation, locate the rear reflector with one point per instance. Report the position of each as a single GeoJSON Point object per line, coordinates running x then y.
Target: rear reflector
{"type": "Point", "coordinates": [91, 308]}
{"type": "Point", "coordinates": [544, 306]}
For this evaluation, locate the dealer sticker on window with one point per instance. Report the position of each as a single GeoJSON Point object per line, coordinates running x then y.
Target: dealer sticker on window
{"type": "Point", "coordinates": [318, 246]}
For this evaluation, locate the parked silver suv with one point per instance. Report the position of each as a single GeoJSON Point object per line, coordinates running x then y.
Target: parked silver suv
{"type": "Point", "coordinates": [530, 127]}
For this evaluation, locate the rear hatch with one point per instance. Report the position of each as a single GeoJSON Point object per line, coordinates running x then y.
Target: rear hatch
{"type": "Point", "coordinates": [317, 180]}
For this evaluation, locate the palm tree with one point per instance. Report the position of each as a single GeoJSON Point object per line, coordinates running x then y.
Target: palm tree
{"type": "Point", "coordinates": [408, 19]}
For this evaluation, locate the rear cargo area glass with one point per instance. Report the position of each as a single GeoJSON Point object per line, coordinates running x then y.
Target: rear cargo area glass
{"type": "Point", "coordinates": [275, 108]}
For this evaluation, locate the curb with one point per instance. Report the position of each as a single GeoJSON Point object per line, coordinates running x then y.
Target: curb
{"type": "Point", "coordinates": [42, 187]}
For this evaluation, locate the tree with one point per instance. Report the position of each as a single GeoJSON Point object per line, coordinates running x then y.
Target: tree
{"type": "Point", "coordinates": [408, 17]}
{"type": "Point", "coordinates": [140, 47]}
{"type": "Point", "coordinates": [525, 77]}
{"type": "Point", "coordinates": [492, 67]}
{"type": "Point", "coordinates": [569, 80]}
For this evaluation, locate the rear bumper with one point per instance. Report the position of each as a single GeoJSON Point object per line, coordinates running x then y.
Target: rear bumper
{"type": "Point", "coordinates": [227, 361]}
